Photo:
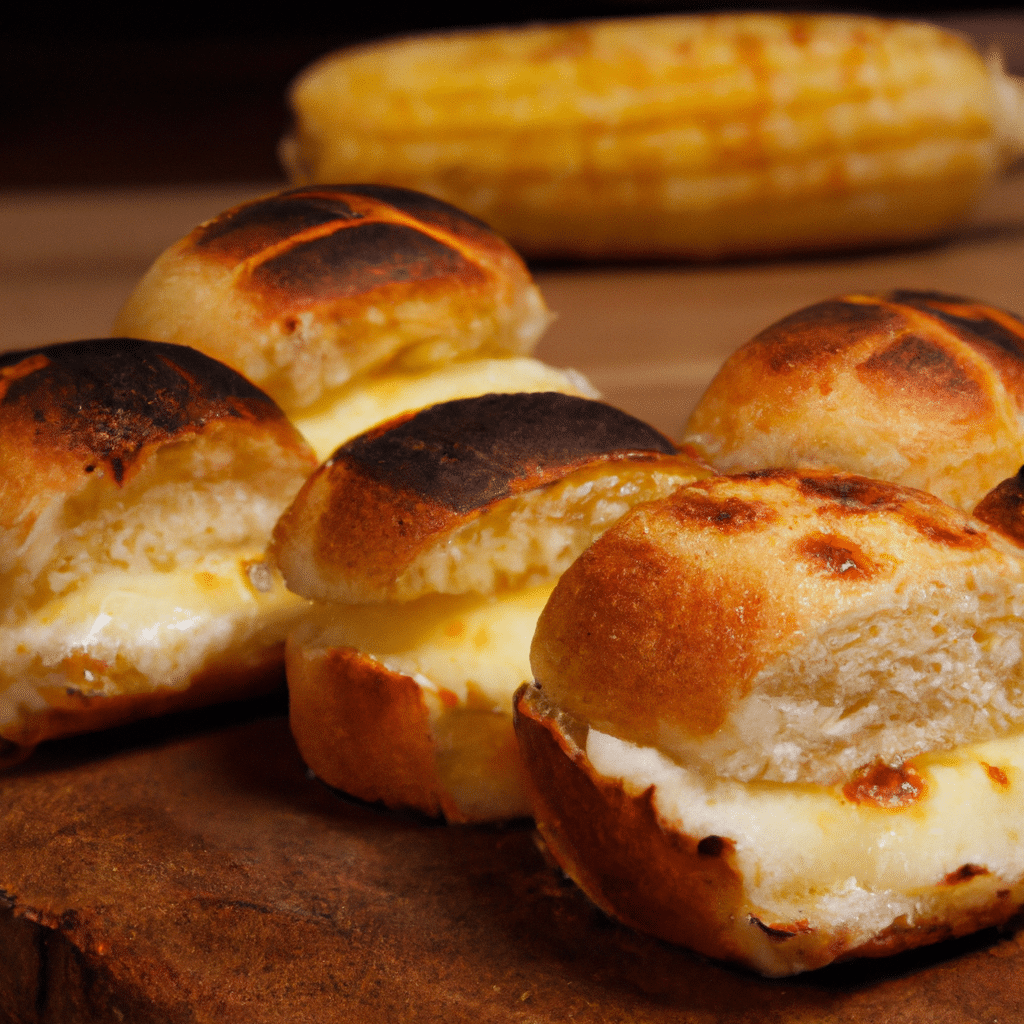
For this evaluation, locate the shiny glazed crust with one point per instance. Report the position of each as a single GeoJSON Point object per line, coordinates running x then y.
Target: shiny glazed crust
{"type": "Point", "coordinates": [404, 488]}
{"type": "Point", "coordinates": [303, 289]}
{"type": "Point", "coordinates": [918, 388]}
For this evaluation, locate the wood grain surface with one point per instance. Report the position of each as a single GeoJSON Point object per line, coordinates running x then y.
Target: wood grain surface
{"type": "Point", "coordinates": [188, 870]}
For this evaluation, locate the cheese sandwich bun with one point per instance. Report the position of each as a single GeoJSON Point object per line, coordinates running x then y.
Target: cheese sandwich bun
{"type": "Point", "coordinates": [914, 387]}
{"type": "Point", "coordinates": [429, 546]}
{"type": "Point", "coordinates": [139, 483]}
{"type": "Point", "coordinates": [349, 304]}
{"type": "Point", "coordinates": [779, 719]}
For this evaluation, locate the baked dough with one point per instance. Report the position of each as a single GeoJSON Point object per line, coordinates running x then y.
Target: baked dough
{"type": "Point", "coordinates": [139, 483]}
{"type": "Point", "coordinates": [429, 546]}
{"type": "Point", "coordinates": [350, 304]}
{"type": "Point", "coordinates": [918, 388]}
{"type": "Point", "coordinates": [779, 718]}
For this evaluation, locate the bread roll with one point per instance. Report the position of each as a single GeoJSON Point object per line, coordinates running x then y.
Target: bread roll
{"type": "Point", "coordinates": [429, 546]}
{"type": "Point", "coordinates": [779, 718]}
{"type": "Point", "coordinates": [914, 387]}
{"type": "Point", "coordinates": [139, 483]}
{"type": "Point", "coordinates": [321, 294]}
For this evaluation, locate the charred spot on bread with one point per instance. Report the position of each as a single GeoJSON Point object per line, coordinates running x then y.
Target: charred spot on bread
{"type": "Point", "coordinates": [838, 556]}
{"type": "Point", "coordinates": [888, 786]}
{"type": "Point", "coordinates": [727, 515]}
{"type": "Point", "coordinates": [105, 400]}
{"type": "Point", "coordinates": [247, 230]}
{"type": "Point", "coordinates": [969, 319]}
{"type": "Point", "coordinates": [916, 368]}
{"type": "Point", "coordinates": [1003, 508]}
{"type": "Point", "coordinates": [810, 336]}
{"type": "Point", "coordinates": [965, 873]}
{"type": "Point", "coordinates": [356, 258]}
{"type": "Point", "coordinates": [468, 453]}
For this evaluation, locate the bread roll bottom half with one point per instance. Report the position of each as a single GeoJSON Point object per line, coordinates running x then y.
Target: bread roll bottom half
{"type": "Point", "coordinates": [779, 719]}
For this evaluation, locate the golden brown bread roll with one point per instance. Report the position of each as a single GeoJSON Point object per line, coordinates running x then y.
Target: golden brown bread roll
{"type": "Point", "coordinates": [349, 304]}
{"type": "Point", "coordinates": [429, 546]}
{"type": "Point", "coordinates": [139, 483]}
{"type": "Point", "coordinates": [914, 387]}
{"type": "Point", "coordinates": [779, 718]}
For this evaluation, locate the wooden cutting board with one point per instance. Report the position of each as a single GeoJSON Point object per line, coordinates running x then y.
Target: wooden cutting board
{"type": "Point", "coordinates": [189, 870]}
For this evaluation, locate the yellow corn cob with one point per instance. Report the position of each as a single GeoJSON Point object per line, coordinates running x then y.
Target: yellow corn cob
{"type": "Point", "coordinates": [683, 136]}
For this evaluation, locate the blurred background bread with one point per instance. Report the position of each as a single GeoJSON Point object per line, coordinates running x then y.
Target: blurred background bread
{"type": "Point", "coordinates": [429, 546]}
{"type": "Point", "coordinates": [775, 718]}
{"type": "Point", "coordinates": [918, 388]}
{"type": "Point", "coordinates": [685, 136]}
{"type": "Point", "coordinates": [139, 483]}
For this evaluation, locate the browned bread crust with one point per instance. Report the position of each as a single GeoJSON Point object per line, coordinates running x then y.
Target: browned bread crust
{"type": "Point", "coordinates": [429, 546]}
{"type": "Point", "coordinates": [394, 492]}
{"type": "Point", "coordinates": [818, 593]}
{"type": "Point", "coordinates": [83, 409]}
{"type": "Point", "coordinates": [779, 718]}
{"type": "Point", "coordinates": [915, 387]}
{"type": "Point", "coordinates": [302, 289]}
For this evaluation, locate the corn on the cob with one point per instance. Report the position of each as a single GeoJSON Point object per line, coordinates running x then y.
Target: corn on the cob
{"type": "Point", "coordinates": [683, 136]}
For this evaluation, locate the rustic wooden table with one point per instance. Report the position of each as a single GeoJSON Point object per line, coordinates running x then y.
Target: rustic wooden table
{"type": "Point", "coordinates": [189, 870]}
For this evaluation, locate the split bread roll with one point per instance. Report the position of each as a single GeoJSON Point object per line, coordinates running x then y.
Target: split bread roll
{"type": "Point", "coordinates": [917, 388]}
{"type": "Point", "coordinates": [139, 484]}
{"type": "Point", "coordinates": [429, 546]}
{"type": "Point", "coordinates": [349, 304]}
{"type": "Point", "coordinates": [779, 719]}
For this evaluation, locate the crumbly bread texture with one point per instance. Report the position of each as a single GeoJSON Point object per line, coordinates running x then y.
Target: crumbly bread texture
{"type": "Point", "coordinates": [139, 483]}
{"type": "Point", "coordinates": [303, 290]}
{"type": "Point", "coordinates": [470, 495]}
{"type": "Point", "coordinates": [790, 627]}
{"type": "Point", "coordinates": [762, 705]}
{"type": "Point", "coordinates": [430, 545]}
{"type": "Point", "coordinates": [914, 387]}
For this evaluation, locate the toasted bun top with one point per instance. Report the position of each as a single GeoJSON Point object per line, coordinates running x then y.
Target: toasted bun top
{"type": "Point", "coordinates": [304, 288]}
{"type": "Point", "coordinates": [915, 387]}
{"type": "Point", "coordinates": [77, 411]}
{"type": "Point", "coordinates": [789, 626]}
{"type": "Point", "coordinates": [392, 493]}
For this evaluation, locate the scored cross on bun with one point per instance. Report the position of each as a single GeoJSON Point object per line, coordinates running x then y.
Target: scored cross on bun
{"type": "Point", "coordinates": [779, 718]}
{"type": "Point", "coordinates": [429, 546]}
{"type": "Point", "coordinates": [139, 483]}
{"type": "Point", "coordinates": [349, 304]}
{"type": "Point", "coordinates": [914, 387]}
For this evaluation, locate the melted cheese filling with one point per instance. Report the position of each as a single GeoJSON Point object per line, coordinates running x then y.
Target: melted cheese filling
{"type": "Point", "coordinates": [374, 398]}
{"type": "Point", "coordinates": [466, 652]}
{"type": "Point", "coordinates": [122, 632]}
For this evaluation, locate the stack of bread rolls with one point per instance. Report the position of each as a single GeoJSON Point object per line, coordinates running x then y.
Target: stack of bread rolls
{"type": "Point", "coordinates": [349, 304]}
{"type": "Point", "coordinates": [429, 546]}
